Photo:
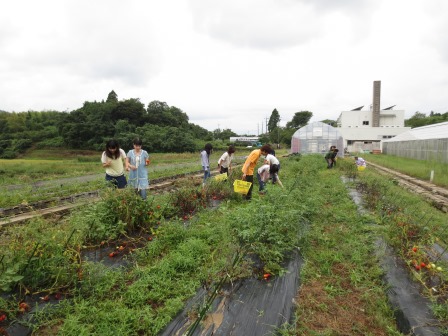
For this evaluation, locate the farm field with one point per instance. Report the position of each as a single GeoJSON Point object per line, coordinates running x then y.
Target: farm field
{"type": "Point", "coordinates": [50, 174]}
{"type": "Point", "coordinates": [122, 266]}
{"type": "Point", "coordinates": [416, 168]}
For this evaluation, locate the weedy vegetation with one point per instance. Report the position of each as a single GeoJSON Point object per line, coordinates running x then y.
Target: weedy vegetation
{"type": "Point", "coordinates": [152, 256]}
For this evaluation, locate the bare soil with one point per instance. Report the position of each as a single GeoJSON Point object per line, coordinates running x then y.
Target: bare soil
{"type": "Point", "coordinates": [338, 315]}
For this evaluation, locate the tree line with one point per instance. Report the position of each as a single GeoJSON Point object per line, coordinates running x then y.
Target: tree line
{"type": "Point", "coordinates": [421, 119]}
{"type": "Point", "coordinates": [164, 128]}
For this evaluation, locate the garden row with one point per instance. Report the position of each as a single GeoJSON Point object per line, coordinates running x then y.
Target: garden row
{"type": "Point", "coordinates": [155, 255]}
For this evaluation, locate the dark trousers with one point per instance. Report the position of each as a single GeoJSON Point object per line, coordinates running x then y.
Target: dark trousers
{"type": "Point", "coordinates": [260, 183]}
{"type": "Point", "coordinates": [250, 178]}
{"type": "Point", "coordinates": [117, 181]}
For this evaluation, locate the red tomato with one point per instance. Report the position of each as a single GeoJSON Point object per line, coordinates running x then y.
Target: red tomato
{"type": "Point", "coordinates": [23, 306]}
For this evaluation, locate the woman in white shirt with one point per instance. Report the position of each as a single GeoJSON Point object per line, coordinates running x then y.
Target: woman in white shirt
{"type": "Point", "coordinates": [225, 161]}
{"type": "Point", "coordinates": [263, 177]}
{"type": "Point", "coordinates": [274, 166]}
{"type": "Point", "coordinates": [112, 159]}
{"type": "Point", "coordinates": [360, 161]}
{"type": "Point", "coordinates": [205, 160]}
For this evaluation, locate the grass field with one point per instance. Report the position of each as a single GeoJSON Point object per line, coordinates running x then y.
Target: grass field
{"type": "Point", "coordinates": [46, 165]}
{"type": "Point", "coordinates": [42, 165]}
{"type": "Point", "coordinates": [415, 168]}
{"type": "Point", "coordinates": [51, 165]}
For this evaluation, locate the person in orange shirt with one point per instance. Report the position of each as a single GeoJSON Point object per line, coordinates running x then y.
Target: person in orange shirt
{"type": "Point", "coordinates": [249, 166]}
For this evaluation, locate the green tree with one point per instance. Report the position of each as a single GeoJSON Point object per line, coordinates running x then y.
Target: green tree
{"type": "Point", "coordinates": [112, 97]}
{"type": "Point", "coordinates": [300, 119]}
{"type": "Point", "coordinates": [16, 122]}
{"type": "Point", "coordinates": [226, 134]}
{"type": "Point", "coordinates": [155, 112]}
{"type": "Point", "coordinates": [420, 119]}
{"type": "Point", "coordinates": [160, 113]}
{"type": "Point", "coordinates": [130, 109]}
{"type": "Point", "coordinates": [223, 134]}
{"type": "Point", "coordinates": [417, 120]}
{"type": "Point", "coordinates": [175, 117]}
{"type": "Point", "coordinates": [158, 139]}
{"type": "Point", "coordinates": [177, 141]}
{"type": "Point", "coordinates": [198, 132]}
{"type": "Point", "coordinates": [274, 119]}
{"type": "Point", "coordinates": [330, 122]}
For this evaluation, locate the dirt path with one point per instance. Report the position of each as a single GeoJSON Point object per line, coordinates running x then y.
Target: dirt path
{"type": "Point", "coordinates": [93, 177]}
{"type": "Point", "coordinates": [437, 195]}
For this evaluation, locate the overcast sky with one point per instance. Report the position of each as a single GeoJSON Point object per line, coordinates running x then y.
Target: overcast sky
{"type": "Point", "coordinates": [227, 64]}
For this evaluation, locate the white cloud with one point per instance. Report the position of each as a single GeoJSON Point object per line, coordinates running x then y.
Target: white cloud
{"type": "Point", "coordinates": [254, 24]}
{"type": "Point", "coordinates": [226, 64]}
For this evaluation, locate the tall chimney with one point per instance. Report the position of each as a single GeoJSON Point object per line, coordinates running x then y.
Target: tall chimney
{"type": "Point", "coordinates": [376, 104]}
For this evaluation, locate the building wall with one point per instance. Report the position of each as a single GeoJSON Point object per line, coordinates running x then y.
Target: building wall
{"type": "Point", "coordinates": [388, 118]}
{"type": "Point", "coordinates": [355, 119]}
{"type": "Point", "coordinates": [358, 139]}
{"type": "Point", "coordinates": [391, 118]}
{"type": "Point", "coordinates": [429, 149]}
{"type": "Point", "coordinates": [356, 127]}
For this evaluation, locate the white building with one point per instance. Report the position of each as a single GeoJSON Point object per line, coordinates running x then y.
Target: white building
{"type": "Point", "coordinates": [429, 143]}
{"type": "Point", "coordinates": [244, 139]}
{"type": "Point", "coordinates": [364, 130]}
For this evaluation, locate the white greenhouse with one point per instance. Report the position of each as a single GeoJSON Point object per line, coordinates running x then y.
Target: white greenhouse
{"type": "Point", "coordinates": [316, 137]}
{"type": "Point", "coordinates": [421, 143]}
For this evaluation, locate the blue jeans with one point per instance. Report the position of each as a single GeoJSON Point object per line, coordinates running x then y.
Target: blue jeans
{"type": "Point", "coordinates": [206, 173]}
{"type": "Point", "coordinates": [142, 194]}
{"type": "Point", "coordinates": [117, 181]}
{"type": "Point", "coordinates": [261, 184]}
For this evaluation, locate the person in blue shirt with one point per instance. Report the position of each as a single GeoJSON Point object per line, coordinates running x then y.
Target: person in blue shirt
{"type": "Point", "coordinates": [137, 161]}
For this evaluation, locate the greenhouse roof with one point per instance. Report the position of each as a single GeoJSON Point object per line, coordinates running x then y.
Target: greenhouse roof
{"type": "Point", "coordinates": [434, 131]}
{"type": "Point", "coordinates": [317, 130]}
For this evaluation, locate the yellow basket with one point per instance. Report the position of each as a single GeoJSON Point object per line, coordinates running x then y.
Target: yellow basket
{"type": "Point", "coordinates": [221, 177]}
{"type": "Point", "coordinates": [241, 187]}
{"type": "Point", "coordinates": [361, 168]}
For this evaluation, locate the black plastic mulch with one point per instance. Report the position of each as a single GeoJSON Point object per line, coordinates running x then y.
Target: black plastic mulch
{"type": "Point", "coordinates": [250, 307]}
